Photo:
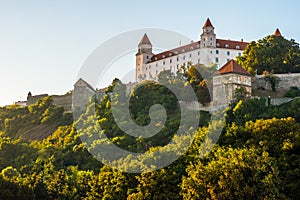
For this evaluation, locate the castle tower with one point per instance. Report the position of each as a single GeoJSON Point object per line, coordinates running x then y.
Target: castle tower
{"type": "Point", "coordinates": [277, 33]}
{"type": "Point", "coordinates": [227, 79]}
{"type": "Point", "coordinates": [143, 55]}
{"type": "Point", "coordinates": [208, 36]}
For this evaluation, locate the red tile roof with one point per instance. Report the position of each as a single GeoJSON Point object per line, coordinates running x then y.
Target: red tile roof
{"type": "Point", "coordinates": [228, 44]}
{"type": "Point", "coordinates": [232, 67]}
{"type": "Point", "coordinates": [277, 33]}
{"type": "Point", "coordinates": [145, 40]}
{"type": "Point", "coordinates": [178, 50]}
{"type": "Point", "coordinates": [207, 23]}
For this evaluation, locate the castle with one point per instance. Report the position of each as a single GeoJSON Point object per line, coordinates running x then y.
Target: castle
{"type": "Point", "coordinates": [207, 51]}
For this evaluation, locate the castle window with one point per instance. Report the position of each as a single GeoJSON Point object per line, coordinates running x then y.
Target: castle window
{"type": "Point", "coordinates": [210, 52]}
{"type": "Point", "coordinates": [210, 39]}
{"type": "Point", "coordinates": [198, 61]}
{"type": "Point", "coordinates": [240, 53]}
{"type": "Point", "coordinates": [210, 43]}
{"type": "Point", "coordinates": [170, 60]}
{"type": "Point", "coordinates": [226, 45]}
{"type": "Point", "coordinates": [149, 66]}
{"type": "Point", "coordinates": [217, 51]}
{"type": "Point", "coordinates": [217, 59]}
{"type": "Point", "coordinates": [204, 39]}
{"type": "Point", "coordinates": [228, 53]}
{"type": "Point", "coordinates": [237, 47]}
{"type": "Point", "coordinates": [190, 55]}
{"type": "Point", "coordinates": [156, 64]}
{"type": "Point", "coordinates": [227, 59]}
{"type": "Point", "coordinates": [164, 62]}
{"type": "Point", "coordinates": [204, 44]}
{"type": "Point", "coordinates": [177, 58]}
{"type": "Point", "coordinates": [198, 53]}
{"type": "Point", "coordinates": [156, 71]}
{"type": "Point", "coordinates": [146, 68]}
{"type": "Point", "coordinates": [147, 57]}
{"type": "Point", "coordinates": [183, 57]}
{"type": "Point", "coordinates": [177, 66]}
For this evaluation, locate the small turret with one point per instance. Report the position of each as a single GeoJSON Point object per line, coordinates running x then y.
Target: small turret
{"type": "Point", "coordinates": [143, 55]}
{"type": "Point", "coordinates": [208, 36]}
{"type": "Point", "coordinates": [277, 33]}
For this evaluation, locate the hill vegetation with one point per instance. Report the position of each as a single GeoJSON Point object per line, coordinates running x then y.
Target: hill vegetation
{"type": "Point", "coordinates": [256, 157]}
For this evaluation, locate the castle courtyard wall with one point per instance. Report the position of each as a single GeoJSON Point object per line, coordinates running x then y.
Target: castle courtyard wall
{"type": "Point", "coordinates": [286, 81]}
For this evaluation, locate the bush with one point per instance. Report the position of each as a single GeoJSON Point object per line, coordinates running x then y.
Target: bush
{"type": "Point", "coordinates": [293, 92]}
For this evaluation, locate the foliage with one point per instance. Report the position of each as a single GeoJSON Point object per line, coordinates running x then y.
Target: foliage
{"type": "Point", "coordinates": [272, 53]}
{"type": "Point", "coordinates": [240, 93]}
{"type": "Point", "coordinates": [272, 79]}
{"type": "Point", "coordinates": [293, 92]}
{"type": "Point", "coordinates": [256, 157]}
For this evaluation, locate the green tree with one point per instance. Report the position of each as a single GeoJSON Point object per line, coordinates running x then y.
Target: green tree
{"type": "Point", "coordinates": [233, 174]}
{"type": "Point", "coordinates": [272, 53]}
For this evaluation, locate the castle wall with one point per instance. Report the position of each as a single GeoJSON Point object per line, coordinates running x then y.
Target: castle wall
{"type": "Point", "coordinates": [63, 100]}
{"type": "Point", "coordinates": [286, 81]}
{"type": "Point", "coordinates": [32, 99]}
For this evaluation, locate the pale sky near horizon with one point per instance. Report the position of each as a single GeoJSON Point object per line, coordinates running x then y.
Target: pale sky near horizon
{"type": "Point", "coordinates": [43, 44]}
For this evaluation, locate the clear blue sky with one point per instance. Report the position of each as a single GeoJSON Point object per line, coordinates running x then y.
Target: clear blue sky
{"type": "Point", "coordinates": [44, 43]}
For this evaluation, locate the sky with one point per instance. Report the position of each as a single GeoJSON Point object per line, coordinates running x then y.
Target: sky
{"type": "Point", "coordinates": [43, 44]}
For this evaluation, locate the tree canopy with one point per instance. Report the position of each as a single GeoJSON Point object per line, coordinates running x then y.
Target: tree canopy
{"type": "Point", "coordinates": [273, 54]}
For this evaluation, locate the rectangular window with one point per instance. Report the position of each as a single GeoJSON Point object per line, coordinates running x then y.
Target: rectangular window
{"type": "Point", "coordinates": [177, 59]}
{"type": "Point", "coordinates": [183, 57]}
{"type": "Point", "coordinates": [217, 51]}
{"type": "Point", "coordinates": [228, 53]}
{"type": "Point", "coordinates": [190, 55]}
{"type": "Point", "coordinates": [217, 59]}
{"type": "Point", "coordinates": [177, 66]}
{"type": "Point", "coordinates": [198, 61]}
{"type": "Point", "coordinates": [198, 53]}
{"type": "Point", "coordinates": [164, 62]}
{"type": "Point", "coordinates": [240, 53]}
{"type": "Point", "coordinates": [170, 60]}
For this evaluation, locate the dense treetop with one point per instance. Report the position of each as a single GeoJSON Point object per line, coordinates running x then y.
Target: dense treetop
{"type": "Point", "coordinates": [273, 54]}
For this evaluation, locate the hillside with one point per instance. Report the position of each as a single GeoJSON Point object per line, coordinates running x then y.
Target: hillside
{"type": "Point", "coordinates": [256, 157]}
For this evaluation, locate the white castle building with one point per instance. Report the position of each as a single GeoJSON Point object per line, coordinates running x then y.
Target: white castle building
{"type": "Point", "coordinates": [208, 51]}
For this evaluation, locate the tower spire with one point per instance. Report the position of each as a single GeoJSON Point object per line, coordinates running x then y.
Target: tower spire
{"type": "Point", "coordinates": [145, 40]}
{"type": "Point", "coordinates": [208, 24]}
{"type": "Point", "coordinates": [277, 32]}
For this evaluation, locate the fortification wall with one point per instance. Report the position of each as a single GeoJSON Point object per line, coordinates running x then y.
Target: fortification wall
{"type": "Point", "coordinates": [32, 99]}
{"type": "Point", "coordinates": [63, 100]}
{"type": "Point", "coordinates": [286, 81]}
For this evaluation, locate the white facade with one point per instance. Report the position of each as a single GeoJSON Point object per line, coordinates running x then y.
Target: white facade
{"type": "Point", "coordinates": [208, 51]}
